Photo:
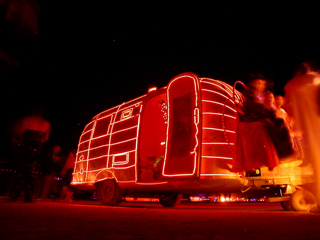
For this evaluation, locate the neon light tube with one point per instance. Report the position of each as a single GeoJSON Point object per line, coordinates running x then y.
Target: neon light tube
{"type": "Point", "coordinates": [208, 101]}
{"type": "Point", "coordinates": [220, 114]}
{"type": "Point", "coordinates": [218, 129]}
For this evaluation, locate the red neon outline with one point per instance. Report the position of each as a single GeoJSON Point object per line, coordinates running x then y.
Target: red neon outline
{"type": "Point", "coordinates": [218, 129]}
{"type": "Point", "coordinates": [207, 90]}
{"type": "Point", "coordinates": [128, 140]}
{"type": "Point", "coordinates": [218, 157]}
{"type": "Point", "coordinates": [219, 174]}
{"type": "Point", "coordinates": [219, 114]}
{"type": "Point", "coordinates": [217, 143]}
{"type": "Point", "coordinates": [131, 166]}
{"type": "Point", "coordinates": [151, 183]}
{"type": "Point", "coordinates": [113, 122]}
{"type": "Point", "coordinates": [218, 87]}
{"type": "Point", "coordinates": [219, 103]}
{"type": "Point", "coordinates": [196, 89]}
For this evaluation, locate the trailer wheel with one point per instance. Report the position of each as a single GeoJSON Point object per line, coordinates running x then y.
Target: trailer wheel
{"type": "Point", "coordinates": [109, 193]}
{"type": "Point", "coordinates": [286, 205]}
{"type": "Point", "coordinates": [302, 200]}
{"type": "Point", "coordinates": [170, 200]}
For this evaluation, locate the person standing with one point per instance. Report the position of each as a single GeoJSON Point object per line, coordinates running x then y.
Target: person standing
{"type": "Point", "coordinates": [28, 136]}
{"type": "Point", "coordinates": [66, 174]}
{"type": "Point", "coordinates": [52, 173]}
{"type": "Point", "coordinates": [302, 94]}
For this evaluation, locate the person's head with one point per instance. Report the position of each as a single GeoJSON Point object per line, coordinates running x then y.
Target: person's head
{"type": "Point", "coordinates": [269, 97]}
{"type": "Point", "coordinates": [306, 67]}
{"type": "Point", "coordinates": [257, 83]}
{"type": "Point", "coordinates": [56, 149]}
{"type": "Point", "coordinates": [279, 101]}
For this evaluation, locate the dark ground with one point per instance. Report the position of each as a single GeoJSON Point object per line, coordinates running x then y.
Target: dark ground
{"type": "Point", "coordinates": [89, 220]}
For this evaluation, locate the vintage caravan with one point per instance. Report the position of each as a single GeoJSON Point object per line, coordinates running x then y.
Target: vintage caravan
{"type": "Point", "coordinates": [174, 140]}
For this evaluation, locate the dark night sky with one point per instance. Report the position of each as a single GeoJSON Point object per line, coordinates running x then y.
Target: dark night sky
{"type": "Point", "coordinates": [89, 57]}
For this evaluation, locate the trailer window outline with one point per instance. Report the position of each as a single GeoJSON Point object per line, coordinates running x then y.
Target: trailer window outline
{"type": "Point", "coordinates": [126, 113]}
{"type": "Point", "coordinates": [114, 162]}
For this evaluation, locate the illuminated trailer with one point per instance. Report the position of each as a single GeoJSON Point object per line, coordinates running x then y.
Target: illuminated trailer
{"type": "Point", "coordinates": [179, 139]}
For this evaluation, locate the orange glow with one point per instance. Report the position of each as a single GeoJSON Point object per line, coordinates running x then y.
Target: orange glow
{"type": "Point", "coordinates": [152, 89]}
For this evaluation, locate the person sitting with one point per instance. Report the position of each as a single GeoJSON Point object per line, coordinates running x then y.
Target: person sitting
{"type": "Point", "coordinates": [254, 147]}
{"type": "Point", "coordinates": [263, 139]}
{"type": "Point", "coordinates": [269, 101]}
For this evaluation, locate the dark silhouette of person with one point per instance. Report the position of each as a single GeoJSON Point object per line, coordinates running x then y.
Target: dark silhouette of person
{"type": "Point", "coordinates": [66, 174]}
{"type": "Point", "coordinates": [54, 164]}
{"type": "Point", "coordinates": [28, 136]}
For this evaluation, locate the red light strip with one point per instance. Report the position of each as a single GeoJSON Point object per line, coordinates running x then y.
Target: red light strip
{"type": "Point", "coordinates": [143, 96]}
{"type": "Point", "coordinates": [100, 146]}
{"type": "Point", "coordinates": [109, 109]}
{"type": "Point", "coordinates": [128, 140]}
{"type": "Point", "coordinates": [218, 157]}
{"type": "Point", "coordinates": [87, 130]}
{"type": "Point", "coordinates": [131, 166]}
{"type": "Point", "coordinates": [151, 183]}
{"type": "Point", "coordinates": [111, 155]}
{"type": "Point", "coordinates": [218, 129]}
{"type": "Point", "coordinates": [102, 169]}
{"type": "Point", "coordinates": [230, 88]}
{"type": "Point", "coordinates": [217, 143]}
{"type": "Point", "coordinates": [95, 158]}
{"type": "Point", "coordinates": [105, 117]}
{"type": "Point", "coordinates": [101, 136]}
{"type": "Point", "coordinates": [219, 174]}
{"type": "Point", "coordinates": [207, 90]}
{"type": "Point", "coordinates": [219, 103]}
{"type": "Point", "coordinates": [125, 129]}
{"type": "Point", "coordinates": [219, 114]}
{"type": "Point", "coordinates": [218, 87]}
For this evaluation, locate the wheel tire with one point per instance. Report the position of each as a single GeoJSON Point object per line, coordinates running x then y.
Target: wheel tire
{"type": "Point", "coordinates": [286, 205]}
{"type": "Point", "coordinates": [170, 200]}
{"type": "Point", "coordinates": [302, 200]}
{"type": "Point", "coordinates": [109, 193]}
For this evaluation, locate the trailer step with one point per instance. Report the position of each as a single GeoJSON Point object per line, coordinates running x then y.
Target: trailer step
{"type": "Point", "coordinates": [278, 199]}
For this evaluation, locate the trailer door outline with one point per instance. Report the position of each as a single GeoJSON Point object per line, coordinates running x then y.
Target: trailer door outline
{"type": "Point", "coordinates": [182, 145]}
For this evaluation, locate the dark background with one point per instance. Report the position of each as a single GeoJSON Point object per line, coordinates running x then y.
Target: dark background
{"type": "Point", "coordinates": [77, 59]}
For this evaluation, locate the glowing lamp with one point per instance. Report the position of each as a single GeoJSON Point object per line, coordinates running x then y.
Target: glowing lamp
{"type": "Point", "coordinates": [152, 89]}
